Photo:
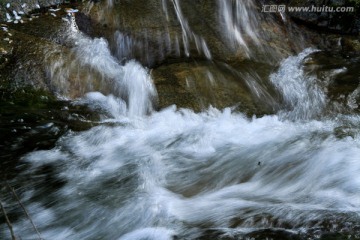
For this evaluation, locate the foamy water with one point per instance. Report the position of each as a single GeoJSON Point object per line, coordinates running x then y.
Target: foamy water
{"type": "Point", "coordinates": [141, 174]}
{"type": "Point", "coordinates": [174, 172]}
{"type": "Point", "coordinates": [90, 66]}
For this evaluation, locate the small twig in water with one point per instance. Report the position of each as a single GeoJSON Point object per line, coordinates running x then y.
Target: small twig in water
{"type": "Point", "coordinates": [26, 212]}
{"type": "Point", "coordinates": [8, 222]}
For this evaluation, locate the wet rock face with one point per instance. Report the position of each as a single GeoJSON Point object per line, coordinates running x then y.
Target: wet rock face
{"type": "Point", "coordinates": [26, 6]}
{"type": "Point", "coordinates": [153, 34]}
{"type": "Point", "coordinates": [159, 30]}
{"type": "Point", "coordinates": [152, 30]}
{"type": "Point", "coordinates": [339, 77]}
{"type": "Point", "coordinates": [199, 85]}
{"type": "Point", "coordinates": [25, 47]}
{"type": "Point", "coordinates": [46, 60]}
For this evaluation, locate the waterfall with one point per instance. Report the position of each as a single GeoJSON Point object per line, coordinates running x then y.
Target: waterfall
{"type": "Point", "coordinates": [92, 61]}
{"type": "Point", "coordinates": [138, 173]}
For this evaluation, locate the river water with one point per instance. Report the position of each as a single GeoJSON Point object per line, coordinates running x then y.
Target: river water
{"type": "Point", "coordinates": [179, 174]}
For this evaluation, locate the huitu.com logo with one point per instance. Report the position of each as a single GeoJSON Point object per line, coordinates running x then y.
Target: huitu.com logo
{"type": "Point", "coordinates": [324, 8]}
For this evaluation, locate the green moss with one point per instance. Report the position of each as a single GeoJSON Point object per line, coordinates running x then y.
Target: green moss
{"type": "Point", "coordinates": [26, 96]}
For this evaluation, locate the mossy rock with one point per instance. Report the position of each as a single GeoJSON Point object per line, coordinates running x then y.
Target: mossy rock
{"type": "Point", "coordinates": [42, 55]}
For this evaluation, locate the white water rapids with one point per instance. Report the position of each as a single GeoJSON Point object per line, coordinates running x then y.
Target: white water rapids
{"type": "Point", "coordinates": [180, 173]}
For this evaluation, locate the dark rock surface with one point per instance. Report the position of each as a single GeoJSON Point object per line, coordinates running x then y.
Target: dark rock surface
{"type": "Point", "coordinates": [26, 6]}
{"type": "Point", "coordinates": [157, 35]}
{"type": "Point", "coordinates": [198, 85]}
{"type": "Point", "coordinates": [333, 19]}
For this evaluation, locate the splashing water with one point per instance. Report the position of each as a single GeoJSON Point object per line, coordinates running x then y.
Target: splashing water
{"type": "Point", "coordinates": [153, 178]}
{"type": "Point", "coordinates": [185, 174]}
{"type": "Point", "coordinates": [141, 174]}
{"type": "Point", "coordinates": [351, 100]}
{"type": "Point", "coordinates": [92, 62]}
{"type": "Point", "coordinates": [301, 93]}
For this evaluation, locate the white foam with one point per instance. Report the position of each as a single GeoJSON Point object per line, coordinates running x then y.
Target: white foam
{"type": "Point", "coordinates": [176, 167]}
{"type": "Point", "coordinates": [303, 97]}
{"type": "Point", "coordinates": [92, 59]}
{"type": "Point", "coordinates": [149, 234]}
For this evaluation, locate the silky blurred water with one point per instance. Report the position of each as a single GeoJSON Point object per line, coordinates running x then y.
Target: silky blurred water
{"type": "Point", "coordinates": [137, 173]}
{"type": "Point", "coordinates": [180, 173]}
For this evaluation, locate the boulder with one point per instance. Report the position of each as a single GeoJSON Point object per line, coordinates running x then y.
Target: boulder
{"type": "Point", "coordinates": [339, 78]}
{"type": "Point", "coordinates": [157, 31]}
{"type": "Point", "coordinates": [156, 35]}
{"type": "Point", "coordinates": [26, 8]}
{"type": "Point", "coordinates": [199, 85]}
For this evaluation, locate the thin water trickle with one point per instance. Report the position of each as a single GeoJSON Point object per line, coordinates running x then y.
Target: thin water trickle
{"type": "Point", "coordinates": [240, 21]}
{"type": "Point", "coordinates": [187, 34]}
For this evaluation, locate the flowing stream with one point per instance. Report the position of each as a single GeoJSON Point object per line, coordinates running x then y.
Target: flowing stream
{"type": "Point", "coordinates": [179, 174]}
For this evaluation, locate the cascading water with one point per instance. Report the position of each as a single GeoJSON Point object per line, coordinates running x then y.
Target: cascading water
{"type": "Point", "coordinates": [177, 174]}
{"type": "Point", "coordinates": [187, 34]}
{"type": "Point", "coordinates": [240, 20]}
{"type": "Point", "coordinates": [216, 170]}
{"type": "Point", "coordinates": [92, 61]}
{"type": "Point", "coordinates": [308, 100]}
